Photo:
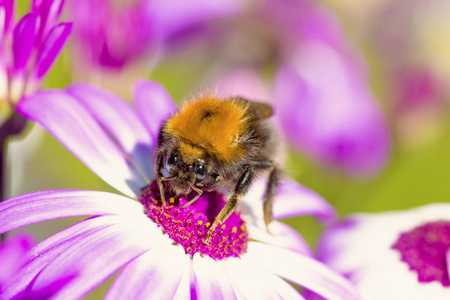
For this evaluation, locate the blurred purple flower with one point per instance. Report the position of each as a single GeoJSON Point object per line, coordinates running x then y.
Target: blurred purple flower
{"type": "Point", "coordinates": [29, 48]}
{"type": "Point", "coordinates": [160, 249]}
{"type": "Point", "coordinates": [393, 255]}
{"type": "Point", "coordinates": [320, 89]}
{"type": "Point", "coordinates": [12, 252]}
{"type": "Point", "coordinates": [412, 43]}
{"type": "Point", "coordinates": [244, 82]}
{"type": "Point", "coordinates": [327, 110]}
{"type": "Point", "coordinates": [111, 35]}
{"type": "Point", "coordinates": [415, 88]}
{"type": "Point", "coordinates": [324, 100]}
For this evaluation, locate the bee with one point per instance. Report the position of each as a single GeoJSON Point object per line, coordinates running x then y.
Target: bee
{"type": "Point", "coordinates": [223, 144]}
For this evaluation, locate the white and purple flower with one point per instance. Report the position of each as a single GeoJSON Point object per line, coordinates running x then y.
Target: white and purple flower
{"type": "Point", "coordinates": [160, 250]}
{"type": "Point", "coordinates": [393, 255]}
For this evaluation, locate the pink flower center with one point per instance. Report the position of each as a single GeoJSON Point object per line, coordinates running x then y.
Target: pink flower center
{"type": "Point", "coordinates": [424, 249]}
{"type": "Point", "coordinates": [188, 226]}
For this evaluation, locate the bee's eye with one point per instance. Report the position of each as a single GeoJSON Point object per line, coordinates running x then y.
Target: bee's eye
{"type": "Point", "coordinates": [170, 162]}
{"type": "Point", "coordinates": [201, 172]}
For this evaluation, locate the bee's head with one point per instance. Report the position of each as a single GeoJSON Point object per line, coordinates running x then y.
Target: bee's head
{"type": "Point", "coordinates": [185, 172]}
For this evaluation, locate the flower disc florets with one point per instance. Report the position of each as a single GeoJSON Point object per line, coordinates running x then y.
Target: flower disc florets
{"type": "Point", "coordinates": [189, 226]}
{"type": "Point", "coordinates": [424, 249]}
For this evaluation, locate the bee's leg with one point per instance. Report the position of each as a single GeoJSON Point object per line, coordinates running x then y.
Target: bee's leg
{"type": "Point", "coordinates": [158, 175]}
{"type": "Point", "coordinates": [199, 193]}
{"type": "Point", "coordinates": [271, 190]}
{"type": "Point", "coordinates": [240, 190]}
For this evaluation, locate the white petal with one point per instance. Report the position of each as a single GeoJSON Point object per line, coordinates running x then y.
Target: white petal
{"type": "Point", "coordinates": [86, 264]}
{"type": "Point", "coordinates": [72, 124]}
{"type": "Point", "coordinates": [155, 274]}
{"type": "Point", "coordinates": [154, 104]}
{"type": "Point", "coordinates": [284, 289]}
{"type": "Point", "coordinates": [249, 281]}
{"type": "Point", "coordinates": [291, 200]}
{"type": "Point", "coordinates": [211, 281]}
{"type": "Point", "coordinates": [302, 270]}
{"type": "Point", "coordinates": [363, 238]}
{"type": "Point", "coordinates": [360, 247]}
{"type": "Point", "coordinates": [184, 287]}
{"type": "Point", "coordinates": [280, 235]}
{"type": "Point", "coordinates": [122, 121]}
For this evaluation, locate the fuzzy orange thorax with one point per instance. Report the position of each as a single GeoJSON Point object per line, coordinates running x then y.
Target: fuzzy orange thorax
{"type": "Point", "coordinates": [210, 124]}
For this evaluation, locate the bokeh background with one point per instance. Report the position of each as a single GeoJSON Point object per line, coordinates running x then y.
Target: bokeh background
{"type": "Point", "coordinates": [397, 51]}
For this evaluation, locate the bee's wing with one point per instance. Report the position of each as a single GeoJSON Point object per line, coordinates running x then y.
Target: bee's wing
{"type": "Point", "coordinates": [256, 110]}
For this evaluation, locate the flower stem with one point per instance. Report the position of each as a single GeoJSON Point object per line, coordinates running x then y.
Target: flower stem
{"type": "Point", "coordinates": [2, 174]}
{"type": "Point", "coordinates": [14, 125]}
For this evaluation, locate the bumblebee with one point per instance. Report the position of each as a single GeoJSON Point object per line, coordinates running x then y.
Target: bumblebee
{"type": "Point", "coordinates": [223, 144]}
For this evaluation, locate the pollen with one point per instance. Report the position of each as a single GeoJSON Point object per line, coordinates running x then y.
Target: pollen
{"type": "Point", "coordinates": [188, 227]}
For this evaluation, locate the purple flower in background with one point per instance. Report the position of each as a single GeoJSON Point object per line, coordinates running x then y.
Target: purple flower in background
{"type": "Point", "coordinates": [326, 109]}
{"type": "Point", "coordinates": [12, 251]}
{"type": "Point", "coordinates": [110, 35]}
{"type": "Point", "coordinates": [159, 249]}
{"type": "Point", "coordinates": [320, 88]}
{"type": "Point", "coordinates": [416, 65]}
{"type": "Point", "coordinates": [245, 82]}
{"type": "Point", "coordinates": [410, 62]}
{"type": "Point", "coordinates": [393, 255]}
{"type": "Point", "coordinates": [29, 47]}
{"type": "Point", "coordinates": [324, 101]}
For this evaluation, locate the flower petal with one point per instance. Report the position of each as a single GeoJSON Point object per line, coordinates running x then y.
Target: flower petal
{"type": "Point", "coordinates": [184, 287]}
{"type": "Point", "coordinates": [280, 235]}
{"type": "Point", "coordinates": [210, 280]}
{"type": "Point", "coordinates": [25, 34]}
{"type": "Point", "coordinates": [121, 120]}
{"type": "Point", "coordinates": [174, 18]}
{"type": "Point", "coordinates": [302, 270]}
{"type": "Point", "coordinates": [292, 200]}
{"type": "Point", "coordinates": [245, 82]}
{"type": "Point", "coordinates": [45, 252]}
{"type": "Point", "coordinates": [47, 205]}
{"type": "Point", "coordinates": [51, 48]}
{"type": "Point", "coordinates": [282, 287]}
{"type": "Point", "coordinates": [11, 254]}
{"type": "Point", "coordinates": [361, 239]}
{"type": "Point", "coordinates": [85, 265]}
{"type": "Point", "coordinates": [253, 282]}
{"type": "Point", "coordinates": [341, 124]}
{"type": "Point", "coordinates": [68, 121]}
{"type": "Point", "coordinates": [7, 16]}
{"type": "Point", "coordinates": [448, 261]}
{"type": "Point", "coordinates": [154, 104]}
{"type": "Point", "coordinates": [155, 274]}
{"type": "Point", "coordinates": [49, 10]}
